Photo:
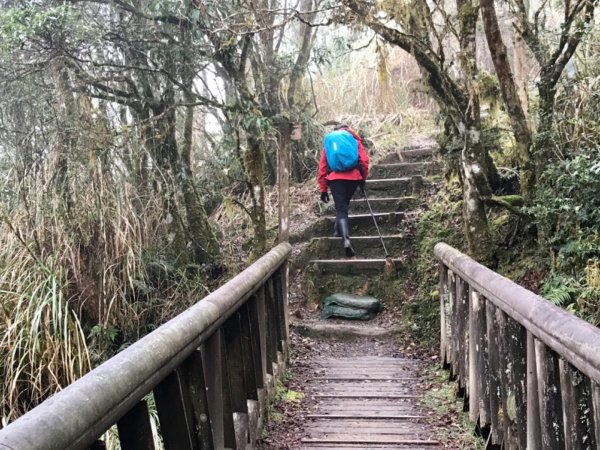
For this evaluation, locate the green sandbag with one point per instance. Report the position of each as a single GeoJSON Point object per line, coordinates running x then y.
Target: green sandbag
{"type": "Point", "coordinates": [350, 306]}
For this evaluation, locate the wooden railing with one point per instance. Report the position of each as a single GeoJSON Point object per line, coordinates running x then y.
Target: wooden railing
{"type": "Point", "coordinates": [529, 371]}
{"type": "Point", "coordinates": [209, 369]}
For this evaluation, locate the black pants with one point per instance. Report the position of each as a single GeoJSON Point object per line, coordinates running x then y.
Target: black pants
{"type": "Point", "coordinates": [342, 191]}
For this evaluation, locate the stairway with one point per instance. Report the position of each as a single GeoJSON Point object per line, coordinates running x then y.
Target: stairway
{"type": "Point", "coordinates": [395, 188]}
{"type": "Point", "coordinates": [368, 399]}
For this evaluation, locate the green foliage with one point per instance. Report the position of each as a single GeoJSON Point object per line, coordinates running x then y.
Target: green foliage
{"type": "Point", "coordinates": [20, 24]}
{"type": "Point", "coordinates": [442, 223]}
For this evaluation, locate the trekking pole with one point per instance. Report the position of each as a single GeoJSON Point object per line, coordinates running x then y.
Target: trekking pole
{"type": "Point", "coordinates": [387, 255]}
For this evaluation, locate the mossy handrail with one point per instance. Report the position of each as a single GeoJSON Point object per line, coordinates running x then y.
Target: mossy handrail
{"type": "Point", "coordinates": [529, 370]}
{"type": "Point", "coordinates": [234, 337]}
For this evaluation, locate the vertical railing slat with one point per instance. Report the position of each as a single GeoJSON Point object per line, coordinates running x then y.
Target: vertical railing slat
{"type": "Point", "coordinates": [135, 429]}
{"type": "Point", "coordinates": [176, 425]}
{"type": "Point", "coordinates": [534, 432]}
{"type": "Point", "coordinates": [451, 324]}
{"type": "Point", "coordinates": [271, 325]}
{"type": "Point", "coordinates": [551, 417]}
{"type": "Point", "coordinates": [461, 322]}
{"type": "Point", "coordinates": [193, 373]}
{"type": "Point", "coordinates": [443, 315]}
{"type": "Point", "coordinates": [475, 362]}
{"type": "Point", "coordinates": [484, 384]}
{"type": "Point", "coordinates": [596, 404]}
{"type": "Point", "coordinates": [496, 415]}
{"type": "Point", "coordinates": [234, 359]}
{"type": "Point", "coordinates": [578, 411]}
{"type": "Point", "coordinates": [248, 349]}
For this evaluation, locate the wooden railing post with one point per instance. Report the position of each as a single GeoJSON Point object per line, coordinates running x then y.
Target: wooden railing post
{"type": "Point", "coordinates": [596, 403]}
{"type": "Point", "coordinates": [534, 431]}
{"type": "Point", "coordinates": [578, 410]}
{"type": "Point", "coordinates": [135, 429]}
{"type": "Point", "coordinates": [271, 325]}
{"type": "Point", "coordinates": [496, 415]}
{"type": "Point", "coordinates": [176, 425]}
{"type": "Point", "coordinates": [549, 395]}
{"type": "Point", "coordinates": [476, 349]}
{"type": "Point", "coordinates": [450, 326]}
{"type": "Point", "coordinates": [193, 375]}
{"type": "Point", "coordinates": [444, 319]}
{"type": "Point", "coordinates": [461, 317]}
{"type": "Point", "coordinates": [512, 357]}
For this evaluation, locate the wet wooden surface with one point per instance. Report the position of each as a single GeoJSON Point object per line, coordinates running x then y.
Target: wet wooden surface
{"type": "Point", "coordinates": [366, 403]}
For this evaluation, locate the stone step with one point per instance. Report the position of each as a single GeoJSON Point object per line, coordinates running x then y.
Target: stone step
{"type": "Point", "coordinates": [379, 204]}
{"type": "Point", "coordinates": [392, 187]}
{"type": "Point", "coordinates": [405, 169]}
{"type": "Point", "coordinates": [364, 246]}
{"type": "Point", "coordinates": [355, 266]}
{"type": "Point", "coordinates": [363, 225]}
{"type": "Point", "coordinates": [410, 155]}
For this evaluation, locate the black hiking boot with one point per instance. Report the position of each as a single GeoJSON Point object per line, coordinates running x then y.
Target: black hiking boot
{"type": "Point", "coordinates": [344, 229]}
{"type": "Point", "coordinates": [336, 229]}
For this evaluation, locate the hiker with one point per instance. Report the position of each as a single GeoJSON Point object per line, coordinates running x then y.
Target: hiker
{"type": "Point", "coordinates": [344, 166]}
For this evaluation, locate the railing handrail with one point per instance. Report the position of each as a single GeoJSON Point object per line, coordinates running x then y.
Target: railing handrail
{"type": "Point", "coordinates": [76, 416]}
{"type": "Point", "coordinates": [574, 339]}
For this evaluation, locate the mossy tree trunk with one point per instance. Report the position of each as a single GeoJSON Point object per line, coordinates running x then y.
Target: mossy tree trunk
{"type": "Point", "coordinates": [254, 160]}
{"type": "Point", "coordinates": [510, 96]}
{"type": "Point", "coordinates": [473, 156]}
{"type": "Point", "coordinates": [203, 243]}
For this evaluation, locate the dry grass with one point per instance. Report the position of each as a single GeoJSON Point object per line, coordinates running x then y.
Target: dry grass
{"type": "Point", "coordinates": [388, 110]}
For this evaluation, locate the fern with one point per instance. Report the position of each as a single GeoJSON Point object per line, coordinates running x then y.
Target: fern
{"type": "Point", "coordinates": [560, 290]}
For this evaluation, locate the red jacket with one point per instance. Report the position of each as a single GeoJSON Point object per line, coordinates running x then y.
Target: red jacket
{"type": "Point", "coordinates": [359, 173]}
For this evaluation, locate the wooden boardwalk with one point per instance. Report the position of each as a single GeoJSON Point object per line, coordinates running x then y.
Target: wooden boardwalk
{"type": "Point", "coordinates": [365, 403]}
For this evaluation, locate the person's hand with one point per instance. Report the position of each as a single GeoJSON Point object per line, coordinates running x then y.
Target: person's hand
{"type": "Point", "coordinates": [361, 186]}
{"type": "Point", "coordinates": [324, 197]}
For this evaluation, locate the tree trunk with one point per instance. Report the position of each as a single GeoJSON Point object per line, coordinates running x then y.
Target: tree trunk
{"type": "Point", "coordinates": [66, 114]}
{"type": "Point", "coordinates": [544, 138]}
{"type": "Point", "coordinates": [254, 160]}
{"type": "Point", "coordinates": [510, 95]}
{"type": "Point", "coordinates": [204, 245]}
{"type": "Point", "coordinates": [473, 156]}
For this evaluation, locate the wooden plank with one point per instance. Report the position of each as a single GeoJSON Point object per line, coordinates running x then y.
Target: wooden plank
{"type": "Point", "coordinates": [176, 425]}
{"type": "Point", "coordinates": [192, 371]}
{"type": "Point", "coordinates": [234, 358]}
{"type": "Point", "coordinates": [474, 361]}
{"type": "Point", "coordinates": [363, 379]}
{"type": "Point", "coordinates": [261, 313]}
{"type": "Point", "coordinates": [517, 397]}
{"type": "Point", "coordinates": [360, 396]}
{"type": "Point", "coordinates": [596, 403]}
{"type": "Point", "coordinates": [365, 416]}
{"type": "Point", "coordinates": [342, 439]}
{"type": "Point", "coordinates": [460, 336]}
{"type": "Point", "coordinates": [496, 416]}
{"type": "Point", "coordinates": [255, 342]}
{"type": "Point", "coordinates": [578, 412]}
{"type": "Point", "coordinates": [507, 394]}
{"type": "Point", "coordinates": [450, 329]}
{"type": "Point", "coordinates": [247, 349]}
{"type": "Point", "coordinates": [551, 417]}
{"type": "Point", "coordinates": [483, 385]}
{"type": "Point", "coordinates": [443, 316]}
{"type": "Point", "coordinates": [534, 432]}
{"type": "Point", "coordinates": [271, 325]}
{"type": "Point", "coordinates": [135, 430]}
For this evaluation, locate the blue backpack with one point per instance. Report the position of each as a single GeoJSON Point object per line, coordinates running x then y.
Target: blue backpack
{"type": "Point", "coordinates": [341, 150]}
